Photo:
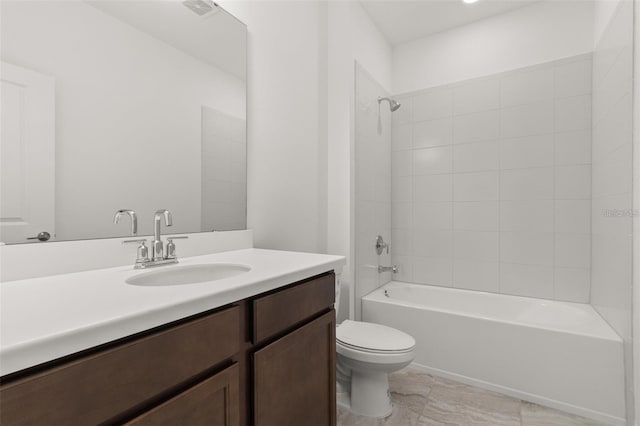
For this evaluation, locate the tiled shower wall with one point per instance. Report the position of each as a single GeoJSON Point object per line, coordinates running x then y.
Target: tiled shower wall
{"type": "Point", "coordinates": [372, 184]}
{"type": "Point", "coordinates": [612, 191]}
{"type": "Point", "coordinates": [491, 183]}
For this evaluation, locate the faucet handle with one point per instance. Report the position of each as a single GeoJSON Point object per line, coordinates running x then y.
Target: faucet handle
{"type": "Point", "coordinates": [381, 245]}
{"type": "Point", "coordinates": [143, 250]}
{"type": "Point", "coordinates": [171, 247]}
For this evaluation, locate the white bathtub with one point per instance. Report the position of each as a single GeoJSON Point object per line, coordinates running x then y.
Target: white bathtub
{"type": "Point", "coordinates": [559, 354]}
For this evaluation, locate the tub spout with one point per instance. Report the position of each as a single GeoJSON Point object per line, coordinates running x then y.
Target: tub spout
{"type": "Point", "coordinates": [393, 269]}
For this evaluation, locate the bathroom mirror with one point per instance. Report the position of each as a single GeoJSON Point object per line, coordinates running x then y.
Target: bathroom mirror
{"type": "Point", "coordinates": [110, 105]}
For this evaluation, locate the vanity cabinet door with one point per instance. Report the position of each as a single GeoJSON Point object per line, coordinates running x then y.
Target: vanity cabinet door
{"type": "Point", "coordinates": [213, 402]}
{"type": "Point", "coordinates": [294, 377]}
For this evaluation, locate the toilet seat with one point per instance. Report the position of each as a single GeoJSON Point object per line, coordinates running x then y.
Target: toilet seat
{"type": "Point", "coordinates": [373, 338]}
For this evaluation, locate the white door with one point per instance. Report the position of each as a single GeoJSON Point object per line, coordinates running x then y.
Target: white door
{"type": "Point", "coordinates": [27, 154]}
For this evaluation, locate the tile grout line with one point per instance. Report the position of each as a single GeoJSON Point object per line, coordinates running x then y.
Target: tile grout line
{"type": "Point", "coordinates": [501, 141]}
{"type": "Point", "coordinates": [555, 183]}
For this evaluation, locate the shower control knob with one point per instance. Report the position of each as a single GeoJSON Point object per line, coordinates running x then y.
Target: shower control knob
{"type": "Point", "coordinates": [381, 245]}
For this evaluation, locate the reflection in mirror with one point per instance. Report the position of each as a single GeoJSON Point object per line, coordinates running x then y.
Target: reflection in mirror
{"type": "Point", "coordinates": [110, 105]}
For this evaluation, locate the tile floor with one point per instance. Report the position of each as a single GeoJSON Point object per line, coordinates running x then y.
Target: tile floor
{"type": "Point", "coordinates": [423, 400]}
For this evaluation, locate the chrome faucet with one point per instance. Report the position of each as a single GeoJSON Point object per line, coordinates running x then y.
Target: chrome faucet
{"type": "Point", "coordinates": [393, 269]}
{"type": "Point", "coordinates": [156, 245]}
{"type": "Point", "coordinates": [157, 258]}
{"type": "Point", "coordinates": [132, 215]}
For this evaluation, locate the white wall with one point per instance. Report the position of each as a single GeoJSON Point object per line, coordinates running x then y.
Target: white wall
{"type": "Point", "coordinates": [352, 37]}
{"type": "Point", "coordinates": [538, 33]}
{"type": "Point", "coordinates": [286, 179]}
{"type": "Point", "coordinates": [612, 178]}
{"type": "Point", "coordinates": [110, 131]}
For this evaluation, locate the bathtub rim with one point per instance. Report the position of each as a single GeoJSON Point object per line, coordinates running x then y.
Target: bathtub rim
{"type": "Point", "coordinates": [377, 295]}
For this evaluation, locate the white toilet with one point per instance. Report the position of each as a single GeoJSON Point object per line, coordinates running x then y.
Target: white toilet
{"type": "Point", "coordinates": [367, 353]}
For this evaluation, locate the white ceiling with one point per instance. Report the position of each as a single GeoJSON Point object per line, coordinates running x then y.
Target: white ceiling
{"type": "Point", "coordinates": [401, 20]}
{"type": "Point", "coordinates": [218, 38]}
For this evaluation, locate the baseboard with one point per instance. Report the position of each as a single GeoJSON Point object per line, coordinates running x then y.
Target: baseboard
{"type": "Point", "coordinates": [558, 405]}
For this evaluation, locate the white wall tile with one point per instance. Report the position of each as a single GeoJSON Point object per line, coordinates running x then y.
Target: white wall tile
{"type": "Point", "coordinates": [573, 216]}
{"type": "Point", "coordinates": [573, 113]}
{"type": "Point", "coordinates": [432, 188]}
{"type": "Point", "coordinates": [401, 215]}
{"type": "Point", "coordinates": [527, 184]}
{"type": "Point", "coordinates": [401, 242]}
{"type": "Point", "coordinates": [401, 189]}
{"type": "Point", "coordinates": [401, 138]}
{"type": "Point", "coordinates": [432, 271]}
{"type": "Point", "coordinates": [527, 86]}
{"type": "Point", "coordinates": [365, 249]}
{"type": "Point", "coordinates": [526, 280]}
{"type": "Point", "coordinates": [614, 129]}
{"type": "Point", "coordinates": [433, 216]}
{"type": "Point", "coordinates": [573, 148]}
{"type": "Point", "coordinates": [478, 186]}
{"type": "Point", "coordinates": [529, 248]}
{"type": "Point", "coordinates": [476, 215]}
{"type": "Point", "coordinates": [473, 275]}
{"type": "Point", "coordinates": [368, 280]}
{"type": "Point", "coordinates": [615, 84]}
{"type": "Point", "coordinates": [572, 284]}
{"type": "Point", "coordinates": [431, 161]}
{"type": "Point", "coordinates": [435, 103]}
{"type": "Point", "coordinates": [573, 78]}
{"type": "Point", "coordinates": [477, 95]}
{"type": "Point", "coordinates": [528, 151]}
{"type": "Point", "coordinates": [405, 268]}
{"type": "Point", "coordinates": [432, 133]}
{"type": "Point", "coordinates": [527, 120]}
{"type": "Point", "coordinates": [432, 243]}
{"type": "Point", "coordinates": [475, 157]}
{"type": "Point", "coordinates": [401, 163]}
{"type": "Point", "coordinates": [612, 172]}
{"type": "Point", "coordinates": [527, 216]}
{"type": "Point", "coordinates": [477, 126]}
{"type": "Point", "coordinates": [476, 245]}
{"type": "Point", "coordinates": [402, 115]}
{"type": "Point", "coordinates": [573, 182]}
{"type": "Point", "coordinates": [573, 250]}
{"type": "Point", "coordinates": [500, 191]}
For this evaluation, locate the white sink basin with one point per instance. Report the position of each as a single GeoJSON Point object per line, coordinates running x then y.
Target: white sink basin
{"type": "Point", "coordinates": [188, 274]}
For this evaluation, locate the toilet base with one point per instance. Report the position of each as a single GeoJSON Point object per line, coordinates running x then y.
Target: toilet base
{"type": "Point", "coordinates": [369, 395]}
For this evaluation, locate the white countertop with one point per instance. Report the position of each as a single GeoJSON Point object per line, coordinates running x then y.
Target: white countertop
{"type": "Point", "coordinates": [42, 319]}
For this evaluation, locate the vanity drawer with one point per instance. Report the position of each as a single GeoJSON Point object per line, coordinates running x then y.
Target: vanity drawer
{"type": "Point", "coordinates": [95, 388]}
{"type": "Point", "coordinates": [276, 312]}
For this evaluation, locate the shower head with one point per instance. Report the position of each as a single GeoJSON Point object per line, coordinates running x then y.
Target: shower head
{"type": "Point", "coordinates": [393, 104]}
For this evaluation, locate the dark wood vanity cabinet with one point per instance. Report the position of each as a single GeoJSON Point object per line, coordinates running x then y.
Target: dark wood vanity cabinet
{"type": "Point", "coordinates": [268, 361]}
{"type": "Point", "coordinates": [294, 377]}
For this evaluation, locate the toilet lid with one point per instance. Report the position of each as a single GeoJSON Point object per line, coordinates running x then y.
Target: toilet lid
{"type": "Point", "coordinates": [371, 336]}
